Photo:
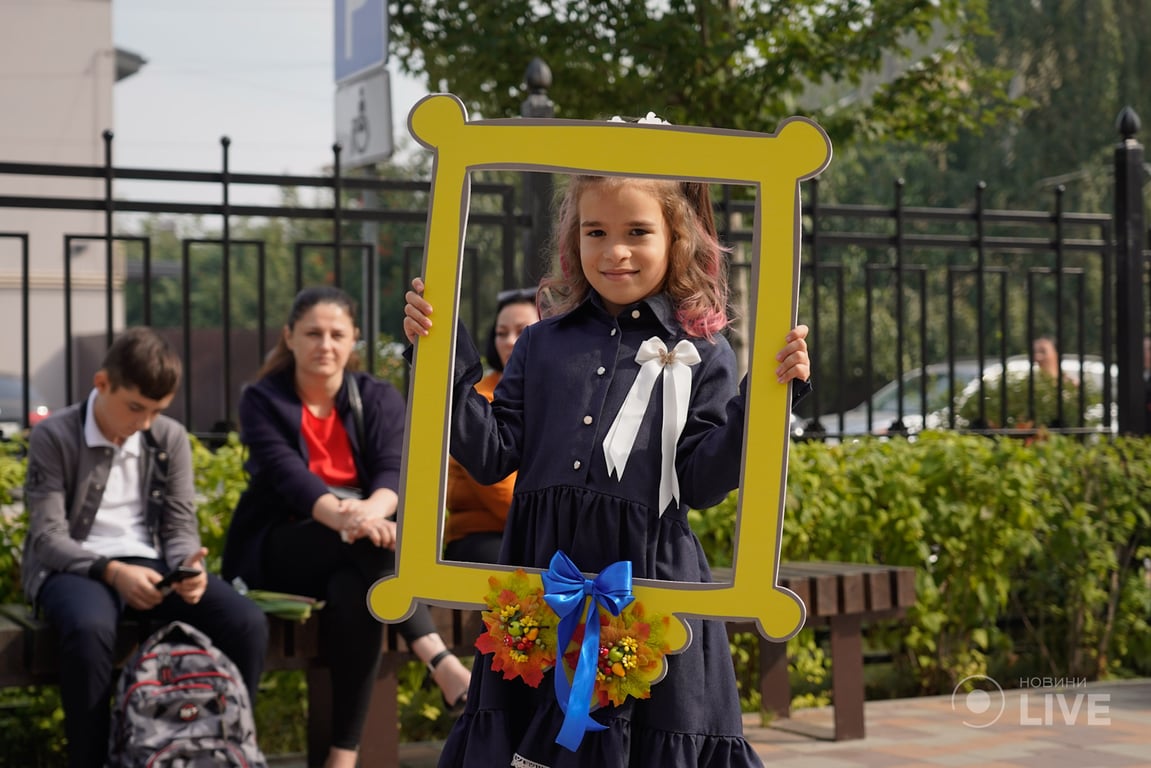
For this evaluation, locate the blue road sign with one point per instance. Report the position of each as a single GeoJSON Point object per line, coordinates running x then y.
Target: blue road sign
{"type": "Point", "coordinates": [361, 32]}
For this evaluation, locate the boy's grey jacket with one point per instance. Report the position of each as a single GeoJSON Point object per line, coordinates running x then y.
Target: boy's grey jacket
{"type": "Point", "coordinates": [65, 484]}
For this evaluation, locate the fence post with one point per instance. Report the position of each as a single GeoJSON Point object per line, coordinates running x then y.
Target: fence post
{"type": "Point", "coordinates": [537, 186]}
{"type": "Point", "coordinates": [1129, 303]}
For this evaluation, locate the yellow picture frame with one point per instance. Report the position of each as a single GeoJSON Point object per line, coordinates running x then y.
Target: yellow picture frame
{"type": "Point", "coordinates": [774, 164]}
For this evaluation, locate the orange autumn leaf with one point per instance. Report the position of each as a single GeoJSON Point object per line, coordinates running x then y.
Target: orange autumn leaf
{"type": "Point", "coordinates": [521, 628]}
{"type": "Point", "coordinates": [632, 643]}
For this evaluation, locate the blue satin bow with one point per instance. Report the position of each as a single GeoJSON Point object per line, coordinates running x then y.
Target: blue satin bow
{"type": "Point", "coordinates": [565, 589]}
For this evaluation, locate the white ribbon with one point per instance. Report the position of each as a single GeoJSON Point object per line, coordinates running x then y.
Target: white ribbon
{"type": "Point", "coordinates": [653, 357]}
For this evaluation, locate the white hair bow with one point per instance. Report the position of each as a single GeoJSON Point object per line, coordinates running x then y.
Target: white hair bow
{"type": "Point", "coordinates": [653, 358]}
{"type": "Point", "coordinates": [651, 117]}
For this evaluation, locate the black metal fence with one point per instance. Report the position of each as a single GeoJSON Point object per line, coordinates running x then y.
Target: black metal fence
{"type": "Point", "coordinates": [946, 304]}
{"type": "Point", "coordinates": [927, 299]}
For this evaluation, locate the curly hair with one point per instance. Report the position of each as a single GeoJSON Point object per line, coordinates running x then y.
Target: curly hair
{"type": "Point", "coordinates": [696, 275]}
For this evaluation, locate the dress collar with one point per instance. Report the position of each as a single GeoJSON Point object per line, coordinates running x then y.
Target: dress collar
{"type": "Point", "coordinates": [658, 305]}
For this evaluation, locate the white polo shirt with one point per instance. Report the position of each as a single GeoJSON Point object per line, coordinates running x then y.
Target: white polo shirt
{"type": "Point", "coordinates": [119, 529]}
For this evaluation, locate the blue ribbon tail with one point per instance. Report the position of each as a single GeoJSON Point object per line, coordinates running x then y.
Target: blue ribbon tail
{"type": "Point", "coordinates": [566, 593]}
{"type": "Point", "coordinates": [577, 719]}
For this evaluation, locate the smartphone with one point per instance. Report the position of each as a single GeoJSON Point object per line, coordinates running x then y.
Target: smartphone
{"type": "Point", "coordinates": [179, 573]}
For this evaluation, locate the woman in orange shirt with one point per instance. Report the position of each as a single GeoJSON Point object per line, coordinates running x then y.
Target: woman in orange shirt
{"type": "Point", "coordinates": [476, 513]}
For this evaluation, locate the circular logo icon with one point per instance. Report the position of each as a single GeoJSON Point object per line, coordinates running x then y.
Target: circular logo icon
{"type": "Point", "coordinates": [979, 699]}
{"type": "Point", "coordinates": [188, 712]}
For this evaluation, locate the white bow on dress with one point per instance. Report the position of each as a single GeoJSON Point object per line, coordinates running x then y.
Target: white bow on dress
{"type": "Point", "coordinates": [653, 358]}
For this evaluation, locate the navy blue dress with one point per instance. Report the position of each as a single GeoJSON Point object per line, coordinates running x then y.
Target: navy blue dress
{"type": "Point", "coordinates": [561, 390]}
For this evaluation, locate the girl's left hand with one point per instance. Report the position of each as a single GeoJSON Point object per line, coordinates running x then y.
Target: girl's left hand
{"type": "Point", "coordinates": [793, 360]}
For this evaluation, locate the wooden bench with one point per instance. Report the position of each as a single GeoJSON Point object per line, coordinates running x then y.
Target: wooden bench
{"type": "Point", "coordinates": [28, 656]}
{"type": "Point", "coordinates": [842, 597]}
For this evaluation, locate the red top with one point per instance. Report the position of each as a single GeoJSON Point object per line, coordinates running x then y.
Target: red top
{"type": "Point", "coordinates": [329, 450]}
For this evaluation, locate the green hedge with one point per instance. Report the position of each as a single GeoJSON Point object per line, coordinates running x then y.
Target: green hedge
{"type": "Point", "coordinates": [1030, 554]}
{"type": "Point", "coordinates": [1029, 558]}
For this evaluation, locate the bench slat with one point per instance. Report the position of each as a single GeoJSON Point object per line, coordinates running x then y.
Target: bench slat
{"type": "Point", "coordinates": [853, 593]}
{"type": "Point", "coordinates": [879, 591]}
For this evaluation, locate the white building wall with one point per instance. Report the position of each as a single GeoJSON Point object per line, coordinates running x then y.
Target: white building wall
{"type": "Point", "coordinates": [57, 69]}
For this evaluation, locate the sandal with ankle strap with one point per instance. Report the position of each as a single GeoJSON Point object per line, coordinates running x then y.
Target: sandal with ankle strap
{"type": "Point", "coordinates": [453, 708]}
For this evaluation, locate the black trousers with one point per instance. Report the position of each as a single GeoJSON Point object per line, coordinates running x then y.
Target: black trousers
{"type": "Point", "coordinates": [85, 613]}
{"type": "Point", "coordinates": [308, 558]}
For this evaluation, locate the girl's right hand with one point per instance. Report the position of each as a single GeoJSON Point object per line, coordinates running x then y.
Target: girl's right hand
{"type": "Point", "coordinates": [417, 312]}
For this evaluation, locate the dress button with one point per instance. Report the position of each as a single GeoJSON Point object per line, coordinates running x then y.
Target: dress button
{"type": "Point", "coordinates": [587, 419]}
{"type": "Point", "coordinates": [613, 331]}
{"type": "Point", "coordinates": [576, 464]}
{"type": "Point", "coordinates": [600, 371]}
{"type": "Point", "coordinates": [155, 494]}
{"type": "Point", "coordinates": [635, 313]}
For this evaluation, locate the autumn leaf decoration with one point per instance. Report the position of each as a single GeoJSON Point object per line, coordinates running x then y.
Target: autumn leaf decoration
{"type": "Point", "coordinates": [521, 637]}
{"type": "Point", "coordinates": [521, 628]}
{"type": "Point", "coordinates": [632, 647]}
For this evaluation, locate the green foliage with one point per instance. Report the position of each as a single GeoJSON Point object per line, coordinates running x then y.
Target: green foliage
{"type": "Point", "coordinates": [1031, 401]}
{"type": "Point", "coordinates": [745, 654]}
{"type": "Point", "coordinates": [733, 65]}
{"type": "Point", "coordinates": [32, 721]}
{"type": "Point", "coordinates": [1067, 57]}
{"type": "Point", "coordinates": [423, 716]}
{"type": "Point", "coordinates": [219, 481]}
{"type": "Point", "coordinates": [391, 365]}
{"type": "Point", "coordinates": [809, 671]}
{"type": "Point", "coordinates": [13, 520]}
{"type": "Point", "coordinates": [1028, 555]}
{"type": "Point", "coordinates": [281, 717]}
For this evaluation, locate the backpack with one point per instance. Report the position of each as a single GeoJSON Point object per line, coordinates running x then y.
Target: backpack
{"type": "Point", "coordinates": [181, 703]}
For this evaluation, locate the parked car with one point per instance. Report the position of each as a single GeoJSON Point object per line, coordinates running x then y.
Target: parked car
{"type": "Point", "coordinates": [880, 414]}
{"type": "Point", "coordinates": [12, 416]}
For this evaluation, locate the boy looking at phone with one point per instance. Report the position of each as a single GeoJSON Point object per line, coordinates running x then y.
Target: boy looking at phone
{"type": "Point", "coordinates": [110, 502]}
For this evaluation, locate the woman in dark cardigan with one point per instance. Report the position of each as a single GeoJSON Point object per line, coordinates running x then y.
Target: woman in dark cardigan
{"type": "Point", "coordinates": [317, 517]}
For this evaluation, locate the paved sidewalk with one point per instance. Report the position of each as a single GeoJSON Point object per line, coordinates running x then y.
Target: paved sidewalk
{"type": "Point", "coordinates": [1100, 725]}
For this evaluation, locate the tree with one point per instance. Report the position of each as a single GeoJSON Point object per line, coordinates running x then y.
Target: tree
{"type": "Point", "coordinates": [896, 67]}
{"type": "Point", "coordinates": [1077, 63]}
